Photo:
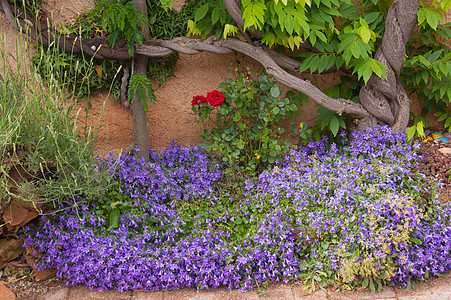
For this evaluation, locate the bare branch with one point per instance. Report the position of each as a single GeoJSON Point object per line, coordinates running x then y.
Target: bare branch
{"type": "Point", "coordinates": [338, 105]}
{"type": "Point", "coordinates": [271, 60]}
{"type": "Point", "coordinates": [9, 15]}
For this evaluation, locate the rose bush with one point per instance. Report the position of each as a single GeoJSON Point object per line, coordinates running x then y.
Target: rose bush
{"type": "Point", "coordinates": [245, 116]}
{"type": "Point", "coordinates": [198, 100]}
{"type": "Point", "coordinates": [215, 98]}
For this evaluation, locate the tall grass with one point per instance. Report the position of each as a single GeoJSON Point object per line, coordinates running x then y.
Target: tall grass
{"type": "Point", "coordinates": [41, 147]}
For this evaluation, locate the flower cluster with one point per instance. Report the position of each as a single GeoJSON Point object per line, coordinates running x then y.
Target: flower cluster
{"type": "Point", "coordinates": [352, 212]}
{"type": "Point", "coordinates": [214, 98]}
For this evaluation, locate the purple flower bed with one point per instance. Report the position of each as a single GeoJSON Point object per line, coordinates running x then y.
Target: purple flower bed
{"type": "Point", "coordinates": [352, 213]}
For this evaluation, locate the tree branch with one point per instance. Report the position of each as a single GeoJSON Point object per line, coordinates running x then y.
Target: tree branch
{"type": "Point", "coordinates": [271, 60]}
{"type": "Point", "coordinates": [338, 105]}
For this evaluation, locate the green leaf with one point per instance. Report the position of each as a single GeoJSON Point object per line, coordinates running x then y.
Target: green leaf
{"type": "Point", "coordinates": [415, 240]}
{"type": "Point", "coordinates": [306, 63]}
{"type": "Point", "coordinates": [334, 125]}
{"type": "Point", "coordinates": [321, 36]}
{"type": "Point", "coordinates": [275, 91]}
{"type": "Point", "coordinates": [365, 282]}
{"type": "Point", "coordinates": [411, 132]}
{"type": "Point", "coordinates": [365, 33]}
{"type": "Point", "coordinates": [140, 85]}
{"type": "Point", "coordinates": [114, 218]}
{"type": "Point", "coordinates": [323, 62]}
{"type": "Point", "coordinates": [364, 70]}
{"type": "Point", "coordinates": [229, 30]}
{"type": "Point", "coordinates": [215, 15]}
{"type": "Point", "coordinates": [312, 38]}
{"type": "Point", "coordinates": [420, 129]}
{"type": "Point", "coordinates": [254, 14]}
{"type": "Point", "coordinates": [448, 122]}
{"type": "Point", "coordinates": [424, 61]}
{"type": "Point", "coordinates": [442, 116]}
{"type": "Point", "coordinates": [167, 4]}
{"type": "Point", "coordinates": [201, 12]}
{"type": "Point", "coordinates": [372, 16]}
{"type": "Point", "coordinates": [372, 287]}
{"type": "Point", "coordinates": [314, 64]}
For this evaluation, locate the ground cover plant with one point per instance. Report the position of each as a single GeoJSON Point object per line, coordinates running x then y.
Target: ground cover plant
{"type": "Point", "coordinates": [349, 213]}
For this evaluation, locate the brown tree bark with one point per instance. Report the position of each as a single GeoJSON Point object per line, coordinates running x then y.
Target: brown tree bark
{"type": "Point", "coordinates": [386, 99]}
{"type": "Point", "coordinates": [382, 101]}
{"type": "Point", "coordinates": [140, 130]}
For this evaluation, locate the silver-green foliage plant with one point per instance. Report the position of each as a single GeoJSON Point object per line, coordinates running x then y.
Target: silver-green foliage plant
{"type": "Point", "coordinates": [40, 140]}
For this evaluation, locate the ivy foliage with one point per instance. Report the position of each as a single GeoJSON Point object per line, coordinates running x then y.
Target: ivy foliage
{"type": "Point", "coordinates": [115, 20]}
{"type": "Point", "coordinates": [340, 34]}
{"type": "Point", "coordinates": [427, 69]}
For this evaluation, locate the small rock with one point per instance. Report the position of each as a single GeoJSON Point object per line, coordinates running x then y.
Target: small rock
{"type": "Point", "coordinates": [31, 260]}
{"type": "Point", "coordinates": [31, 254]}
{"type": "Point", "coordinates": [30, 216]}
{"type": "Point", "coordinates": [18, 214]}
{"type": "Point", "coordinates": [9, 250]}
{"type": "Point", "coordinates": [5, 293]}
{"type": "Point", "coordinates": [445, 151]}
{"type": "Point", "coordinates": [43, 275]}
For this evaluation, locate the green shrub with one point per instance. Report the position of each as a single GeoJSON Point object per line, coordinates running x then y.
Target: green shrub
{"type": "Point", "coordinates": [40, 140]}
{"type": "Point", "coordinates": [245, 115]}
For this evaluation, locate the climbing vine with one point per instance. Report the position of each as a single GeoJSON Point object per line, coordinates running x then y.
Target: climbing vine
{"type": "Point", "coordinates": [368, 41]}
{"type": "Point", "coordinates": [117, 22]}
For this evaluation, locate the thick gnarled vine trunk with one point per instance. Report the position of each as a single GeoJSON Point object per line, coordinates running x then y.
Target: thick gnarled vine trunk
{"type": "Point", "coordinates": [386, 99]}
{"type": "Point", "coordinates": [382, 100]}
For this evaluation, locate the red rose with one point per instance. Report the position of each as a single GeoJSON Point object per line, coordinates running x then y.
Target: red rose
{"type": "Point", "coordinates": [198, 100]}
{"type": "Point", "coordinates": [215, 98]}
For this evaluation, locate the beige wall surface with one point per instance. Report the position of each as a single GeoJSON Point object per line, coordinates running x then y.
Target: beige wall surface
{"type": "Point", "coordinates": [171, 117]}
